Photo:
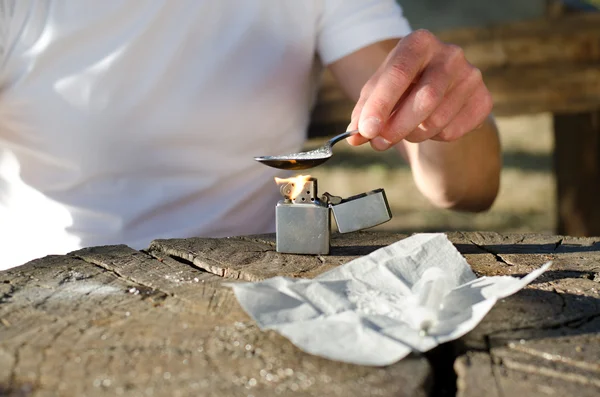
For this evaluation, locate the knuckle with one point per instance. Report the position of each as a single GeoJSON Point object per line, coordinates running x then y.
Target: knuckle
{"type": "Point", "coordinates": [416, 137]}
{"type": "Point", "coordinates": [399, 72]}
{"type": "Point", "coordinates": [423, 36]}
{"type": "Point", "coordinates": [450, 134]}
{"type": "Point", "coordinates": [482, 100]}
{"type": "Point", "coordinates": [475, 75]}
{"type": "Point", "coordinates": [487, 102]}
{"type": "Point", "coordinates": [455, 53]}
{"type": "Point", "coordinates": [367, 89]}
{"type": "Point", "coordinates": [393, 135]}
{"type": "Point", "coordinates": [428, 126]}
{"type": "Point", "coordinates": [427, 98]}
{"type": "Point", "coordinates": [438, 120]}
{"type": "Point", "coordinates": [377, 106]}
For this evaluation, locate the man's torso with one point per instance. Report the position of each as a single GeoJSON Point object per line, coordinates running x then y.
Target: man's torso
{"type": "Point", "coordinates": [118, 119]}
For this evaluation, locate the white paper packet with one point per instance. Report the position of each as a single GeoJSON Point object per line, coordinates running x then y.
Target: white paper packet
{"type": "Point", "coordinates": [409, 296]}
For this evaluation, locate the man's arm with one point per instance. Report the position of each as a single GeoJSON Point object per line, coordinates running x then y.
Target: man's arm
{"type": "Point", "coordinates": [422, 97]}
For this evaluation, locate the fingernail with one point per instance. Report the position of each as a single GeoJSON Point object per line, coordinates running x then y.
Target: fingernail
{"type": "Point", "coordinates": [380, 143]}
{"type": "Point", "coordinates": [369, 128]}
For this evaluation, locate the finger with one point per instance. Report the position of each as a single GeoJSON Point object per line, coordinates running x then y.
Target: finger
{"type": "Point", "coordinates": [409, 57]}
{"type": "Point", "coordinates": [367, 88]}
{"type": "Point", "coordinates": [470, 117]}
{"type": "Point", "coordinates": [439, 77]}
{"type": "Point", "coordinates": [380, 143]}
{"type": "Point", "coordinates": [365, 93]}
{"type": "Point", "coordinates": [356, 139]}
{"type": "Point", "coordinates": [419, 134]}
{"type": "Point", "coordinates": [453, 102]}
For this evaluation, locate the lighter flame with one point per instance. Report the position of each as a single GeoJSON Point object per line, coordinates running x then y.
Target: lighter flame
{"type": "Point", "coordinates": [297, 182]}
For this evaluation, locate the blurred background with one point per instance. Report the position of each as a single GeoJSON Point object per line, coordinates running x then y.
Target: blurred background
{"type": "Point", "coordinates": [526, 202]}
{"type": "Point", "coordinates": [541, 60]}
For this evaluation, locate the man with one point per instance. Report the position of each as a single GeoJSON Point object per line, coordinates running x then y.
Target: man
{"type": "Point", "coordinates": [126, 121]}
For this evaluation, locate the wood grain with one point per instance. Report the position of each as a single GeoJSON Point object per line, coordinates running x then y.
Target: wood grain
{"type": "Point", "coordinates": [115, 321]}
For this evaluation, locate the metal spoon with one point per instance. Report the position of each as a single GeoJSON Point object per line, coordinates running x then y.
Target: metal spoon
{"type": "Point", "coordinates": [304, 160]}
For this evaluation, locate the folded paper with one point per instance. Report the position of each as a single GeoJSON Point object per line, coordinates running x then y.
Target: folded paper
{"type": "Point", "coordinates": [409, 296]}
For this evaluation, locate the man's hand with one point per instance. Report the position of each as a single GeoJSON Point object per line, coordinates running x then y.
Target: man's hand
{"type": "Point", "coordinates": [425, 89]}
{"type": "Point", "coordinates": [423, 97]}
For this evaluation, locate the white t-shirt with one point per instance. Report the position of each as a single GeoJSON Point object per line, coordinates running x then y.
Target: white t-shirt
{"type": "Point", "coordinates": [127, 121]}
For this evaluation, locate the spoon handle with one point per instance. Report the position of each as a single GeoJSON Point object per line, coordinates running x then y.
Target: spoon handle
{"type": "Point", "coordinates": [338, 138]}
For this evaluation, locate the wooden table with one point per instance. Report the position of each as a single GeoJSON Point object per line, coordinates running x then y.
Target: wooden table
{"type": "Point", "coordinates": [111, 321]}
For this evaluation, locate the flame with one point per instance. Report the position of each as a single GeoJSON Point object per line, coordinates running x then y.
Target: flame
{"type": "Point", "coordinates": [297, 182]}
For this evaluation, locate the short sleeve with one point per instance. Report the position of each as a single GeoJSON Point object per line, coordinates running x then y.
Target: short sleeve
{"type": "Point", "coordinates": [349, 25]}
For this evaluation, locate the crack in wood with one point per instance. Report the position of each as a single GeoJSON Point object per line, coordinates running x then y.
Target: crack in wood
{"type": "Point", "coordinates": [40, 304]}
{"type": "Point", "coordinates": [574, 323]}
{"type": "Point", "coordinates": [499, 363]}
{"type": "Point", "coordinates": [558, 358]}
{"type": "Point", "coordinates": [258, 240]}
{"type": "Point", "coordinates": [493, 369]}
{"type": "Point", "coordinates": [562, 299]}
{"type": "Point", "coordinates": [443, 376]}
{"type": "Point", "coordinates": [496, 255]}
{"type": "Point", "coordinates": [549, 372]}
{"type": "Point", "coordinates": [145, 290]}
{"type": "Point", "coordinates": [5, 298]}
{"type": "Point", "coordinates": [12, 379]}
{"type": "Point", "coordinates": [221, 269]}
{"type": "Point", "coordinates": [212, 298]}
{"type": "Point", "coordinates": [164, 258]}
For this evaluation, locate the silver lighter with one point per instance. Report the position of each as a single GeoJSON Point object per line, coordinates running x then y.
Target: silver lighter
{"type": "Point", "coordinates": [303, 219]}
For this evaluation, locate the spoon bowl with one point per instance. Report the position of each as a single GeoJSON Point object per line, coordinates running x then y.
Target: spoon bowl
{"type": "Point", "coordinates": [304, 160]}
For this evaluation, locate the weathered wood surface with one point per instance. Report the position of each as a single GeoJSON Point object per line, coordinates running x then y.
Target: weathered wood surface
{"type": "Point", "coordinates": [546, 65]}
{"type": "Point", "coordinates": [115, 321]}
{"type": "Point", "coordinates": [545, 340]}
